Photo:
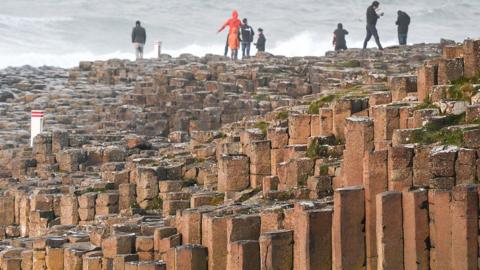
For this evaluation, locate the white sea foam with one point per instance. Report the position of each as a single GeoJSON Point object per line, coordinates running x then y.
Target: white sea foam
{"type": "Point", "coordinates": [62, 33]}
{"type": "Point", "coordinates": [18, 20]}
{"type": "Point", "coordinates": [304, 44]}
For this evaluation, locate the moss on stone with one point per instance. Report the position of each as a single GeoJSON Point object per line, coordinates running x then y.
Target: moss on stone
{"type": "Point", "coordinates": [438, 132]}
{"type": "Point", "coordinates": [350, 64]}
{"type": "Point", "coordinates": [316, 150]}
{"type": "Point", "coordinates": [315, 106]}
{"type": "Point", "coordinates": [283, 115]}
{"type": "Point", "coordinates": [263, 126]}
{"type": "Point", "coordinates": [425, 105]}
{"type": "Point", "coordinates": [324, 169]}
{"type": "Point", "coordinates": [134, 205]}
{"type": "Point", "coordinates": [157, 203]}
{"type": "Point", "coordinates": [217, 200]}
{"type": "Point", "coordinates": [463, 88]}
{"type": "Point", "coordinates": [260, 97]}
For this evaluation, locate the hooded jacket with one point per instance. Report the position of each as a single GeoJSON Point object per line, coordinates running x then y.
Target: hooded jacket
{"type": "Point", "coordinates": [339, 37]}
{"type": "Point", "coordinates": [372, 16]}
{"type": "Point", "coordinates": [247, 33]}
{"type": "Point", "coordinates": [139, 35]}
{"type": "Point", "coordinates": [261, 42]}
{"type": "Point", "coordinates": [403, 22]}
{"type": "Point", "coordinates": [233, 22]}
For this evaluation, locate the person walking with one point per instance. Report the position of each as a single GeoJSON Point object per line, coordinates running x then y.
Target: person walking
{"type": "Point", "coordinates": [246, 34]}
{"type": "Point", "coordinates": [403, 22]}
{"type": "Point", "coordinates": [232, 23]}
{"type": "Point", "coordinates": [339, 42]}
{"type": "Point", "coordinates": [261, 41]}
{"type": "Point", "coordinates": [372, 18]}
{"type": "Point", "coordinates": [139, 37]}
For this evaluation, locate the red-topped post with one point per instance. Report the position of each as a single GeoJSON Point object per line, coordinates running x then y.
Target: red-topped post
{"type": "Point", "coordinates": [36, 124]}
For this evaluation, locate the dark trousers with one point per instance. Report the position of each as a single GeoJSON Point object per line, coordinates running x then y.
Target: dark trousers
{"type": "Point", "coordinates": [402, 38]}
{"type": "Point", "coordinates": [245, 49]}
{"type": "Point", "coordinates": [226, 48]}
{"type": "Point", "coordinates": [372, 31]}
{"type": "Point", "coordinates": [340, 47]}
{"type": "Point", "coordinates": [234, 54]}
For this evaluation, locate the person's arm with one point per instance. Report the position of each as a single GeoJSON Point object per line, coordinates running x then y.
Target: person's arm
{"type": "Point", "coordinates": [145, 31]}
{"type": "Point", "coordinates": [334, 42]}
{"type": "Point", "coordinates": [346, 32]}
{"type": "Point", "coordinates": [133, 35]}
{"type": "Point", "coordinates": [223, 26]}
{"type": "Point", "coordinates": [253, 33]}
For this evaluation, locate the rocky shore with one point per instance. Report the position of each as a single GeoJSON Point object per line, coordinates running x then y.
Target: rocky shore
{"type": "Point", "coordinates": [354, 160]}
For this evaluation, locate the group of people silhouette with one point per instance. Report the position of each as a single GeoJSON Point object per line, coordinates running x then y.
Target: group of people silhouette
{"type": "Point", "coordinates": [241, 34]}
{"type": "Point", "coordinates": [373, 14]}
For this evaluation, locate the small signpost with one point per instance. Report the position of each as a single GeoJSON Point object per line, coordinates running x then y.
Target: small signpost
{"type": "Point", "coordinates": [36, 124]}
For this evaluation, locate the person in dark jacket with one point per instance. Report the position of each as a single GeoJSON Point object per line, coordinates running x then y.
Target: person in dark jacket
{"type": "Point", "coordinates": [246, 34]}
{"type": "Point", "coordinates": [372, 18]}
{"type": "Point", "coordinates": [403, 21]}
{"type": "Point", "coordinates": [261, 41]}
{"type": "Point", "coordinates": [139, 37]}
{"type": "Point", "coordinates": [339, 41]}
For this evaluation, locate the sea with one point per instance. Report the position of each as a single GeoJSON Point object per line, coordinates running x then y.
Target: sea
{"type": "Point", "coordinates": [64, 32]}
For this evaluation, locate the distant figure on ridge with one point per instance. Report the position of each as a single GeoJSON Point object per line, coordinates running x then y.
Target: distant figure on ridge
{"type": "Point", "coordinates": [403, 21]}
{"type": "Point", "coordinates": [339, 41]}
{"type": "Point", "coordinates": [139, 37]}
{"type": "Point", "coordinates": [247, 34]}
{"type": "Point", "coordinates": [261, 41]}
{"type": "Point", "coordinates": [232, 23]}
{"type": "Point", "coordinates": [372, 18]}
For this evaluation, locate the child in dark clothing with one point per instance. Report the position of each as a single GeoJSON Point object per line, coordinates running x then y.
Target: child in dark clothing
{"type": "Point", "coordinates": [261, 41]}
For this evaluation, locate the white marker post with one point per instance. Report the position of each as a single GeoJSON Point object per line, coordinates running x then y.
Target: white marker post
{"type": "Point", "coordinates": [36, 124]}
{"type": "Point", "coordinates": [157, 47]}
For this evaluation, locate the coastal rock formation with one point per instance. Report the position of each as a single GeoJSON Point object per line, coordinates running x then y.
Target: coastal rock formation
{"type": "Point", "coordinates": [355, 160]}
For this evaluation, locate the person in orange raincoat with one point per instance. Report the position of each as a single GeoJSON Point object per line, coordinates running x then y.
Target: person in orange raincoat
{"type": "Point", "coordinates": [233, 41]}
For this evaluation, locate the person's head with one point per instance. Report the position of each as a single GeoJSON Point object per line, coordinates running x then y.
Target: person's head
{"type": "Point", "coordinates": [340, 26]}
{"type": "Point", "coordinates": [235, 14]}
{"type": "Point", "coordinates": [137, 23]}
{"type": "Point", "coordinates": [245, 21]}
{"type": "Point", "coordinates": [400, 12]}
{"type": "Point", "coordinates": [375, 4]}
{"type": "Point", "coordinates": [260, 30]}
